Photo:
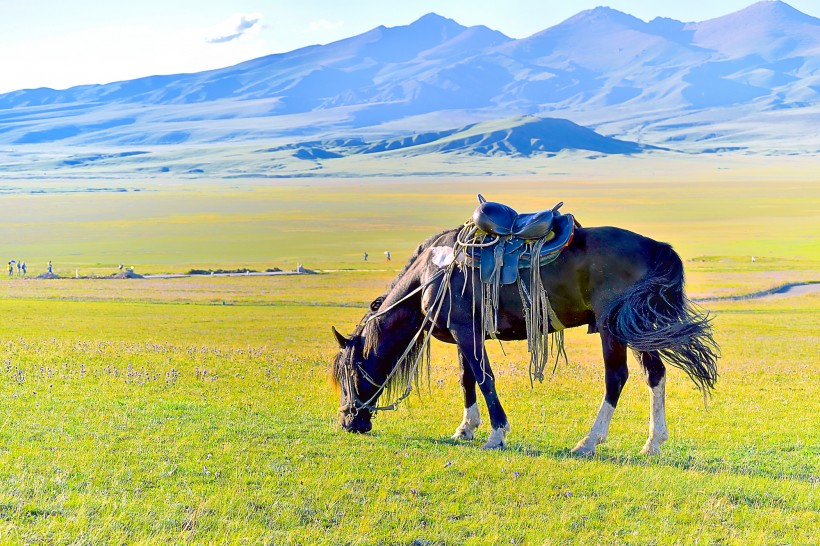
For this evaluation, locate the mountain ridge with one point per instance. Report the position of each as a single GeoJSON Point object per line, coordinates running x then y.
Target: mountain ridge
{"type": "Point", "coordinates": [601, 67]}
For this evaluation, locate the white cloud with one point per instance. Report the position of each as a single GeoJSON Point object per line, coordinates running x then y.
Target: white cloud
{"type": "Point", "coordinates": [235, 27]}
{"type": "Point", "coordinates": [323, 24]}
{"type": "Point", "coordinates": [124, 52]}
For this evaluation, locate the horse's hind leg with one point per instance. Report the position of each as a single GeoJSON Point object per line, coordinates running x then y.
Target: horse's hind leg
{"type": "Point", "coordinates": [655, 373]}
{"type": "Point", "coordinates": [616, 374]}
{"type": "Point", "coordinates": [471, 420]}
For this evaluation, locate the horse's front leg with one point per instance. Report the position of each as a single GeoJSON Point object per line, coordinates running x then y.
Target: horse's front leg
{"type": "Point", "coordinates": [472, 350]}
{"type": "Point", "coordinates": [471, 419]}
{"type": "Point", "coordinates": [615, 376]}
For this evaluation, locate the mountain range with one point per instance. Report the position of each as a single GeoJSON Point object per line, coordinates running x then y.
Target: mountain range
{"type": "Point", "coordinates": [747, 80]}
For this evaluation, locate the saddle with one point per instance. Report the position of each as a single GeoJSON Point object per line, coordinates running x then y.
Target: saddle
{"type": "Point", "coordinates": [509, 241]}
{"type": "Point", "coordinates": [499, 219]}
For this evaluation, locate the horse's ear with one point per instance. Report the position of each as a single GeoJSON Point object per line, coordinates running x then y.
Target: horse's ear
{"type": "Point", "coordinates": [376, 304]}
{"type": "Point", "coordinates": [339, 338]}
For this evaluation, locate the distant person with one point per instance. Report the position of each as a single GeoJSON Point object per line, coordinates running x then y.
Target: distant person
{"type": "Point", "coordinates": [387, 253]}
{"type": "Point", "coordinates": [365, 256]}
{"type": "Point", "coordinates": [11, 268]}
{"type": "Point", "coordinates": [50, 270]}
{"type": "Point", "coordinates": [23, 267]}
{"type": "Point", "coordinates": [18, 268]}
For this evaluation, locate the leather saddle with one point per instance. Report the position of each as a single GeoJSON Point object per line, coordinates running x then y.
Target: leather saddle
{"type": "Point", "coordinates": [516, 238]}
{"type": "Point", "coordinates": [499, 219]}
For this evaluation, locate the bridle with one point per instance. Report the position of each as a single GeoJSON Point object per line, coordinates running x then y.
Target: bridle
{"type": "Point", "coordinates": [356, 404]}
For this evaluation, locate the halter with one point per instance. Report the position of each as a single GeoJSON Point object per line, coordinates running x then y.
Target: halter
{"type": "Point", "coordinates": [356, 404]}
{"type": "Point", "coordinates": [407, 297]}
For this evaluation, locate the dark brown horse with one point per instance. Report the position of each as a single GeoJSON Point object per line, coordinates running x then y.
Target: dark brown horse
{"type": "Point", "coordinates": [627, 287]}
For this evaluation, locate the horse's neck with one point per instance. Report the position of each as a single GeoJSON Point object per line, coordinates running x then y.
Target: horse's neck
{"type": "Point", "coordinates": [402, 316]}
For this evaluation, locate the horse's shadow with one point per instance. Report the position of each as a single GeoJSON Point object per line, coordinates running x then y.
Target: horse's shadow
{"type": "Point", "coordinates": [618, 459]}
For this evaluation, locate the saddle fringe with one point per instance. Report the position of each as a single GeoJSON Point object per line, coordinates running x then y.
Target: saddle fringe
{"type": "Point", "coordinates": [539, 316]}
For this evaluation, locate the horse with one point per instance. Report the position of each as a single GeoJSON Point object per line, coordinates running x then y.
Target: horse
{"type": "Point", "coordinates": [626, 287]}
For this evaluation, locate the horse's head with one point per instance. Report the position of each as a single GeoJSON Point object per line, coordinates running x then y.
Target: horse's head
{"type": "Point", "coordinates": [375, 362]}
{"type": "Point", "coordinates": [357, 375]}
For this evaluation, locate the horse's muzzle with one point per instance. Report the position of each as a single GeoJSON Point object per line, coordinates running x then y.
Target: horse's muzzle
{"type": "Point", "coordinates": [360, 422]}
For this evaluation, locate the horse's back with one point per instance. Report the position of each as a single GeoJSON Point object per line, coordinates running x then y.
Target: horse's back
{"type": "Point", "coordinates": [610, 250]}
{"type": "Point", "coordinates": [600, 264]}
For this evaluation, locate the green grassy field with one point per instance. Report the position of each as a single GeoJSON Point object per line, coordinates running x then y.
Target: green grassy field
{"type": "Point", "coordinates": [198, 409]}
{"type": "Point", "coordinates": [764, 209]}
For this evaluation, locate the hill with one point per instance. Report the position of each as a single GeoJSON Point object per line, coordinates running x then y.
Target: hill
{"type": "Point", "coordinates": [523, 137]}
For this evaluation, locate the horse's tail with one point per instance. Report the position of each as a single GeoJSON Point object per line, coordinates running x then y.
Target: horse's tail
{"type": "Point", "coordinates": [654, 314]}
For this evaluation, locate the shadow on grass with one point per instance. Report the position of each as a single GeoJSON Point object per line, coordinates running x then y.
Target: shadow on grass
{"type": "Point", "coordinates": [669, 459]}
{"type": "Point", "coordinates": [711, 466]}
{"type": "Point", "coordinates": [739, 461]}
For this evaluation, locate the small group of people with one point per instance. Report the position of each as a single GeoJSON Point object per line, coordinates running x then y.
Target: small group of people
{"type": "Point", "coordinates": [21, 268]}
{"type": "Point", "coordinates": [386, 253]}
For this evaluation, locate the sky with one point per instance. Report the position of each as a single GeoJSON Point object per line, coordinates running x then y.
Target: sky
{"type": "Point", "coordinates": [62, 43]}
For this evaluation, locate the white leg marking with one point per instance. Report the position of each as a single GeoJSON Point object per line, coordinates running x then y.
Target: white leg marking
{"type": "Point", "coordinates": [658, 432]}
{"type": "Point", "coordinates": [598, 432]}
{"type": "Point", "coordinates": [498, 438]}
{"type": "Point", "coordinates": [470, 422]}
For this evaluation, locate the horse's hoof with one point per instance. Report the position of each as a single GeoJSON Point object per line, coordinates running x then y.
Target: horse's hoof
{"type": "Point", "coordinates": [585, 448]}
{"type": "Point", "coordinates": [582, 451]}
{"type": "Point", "coordinates": [651, 449]}
{"type": "Point", "coordinates": [498, 438]}
{"type": "Point", "coordinates": [463, 433]}
{"type": "Point", "coordinates": [494, 445]}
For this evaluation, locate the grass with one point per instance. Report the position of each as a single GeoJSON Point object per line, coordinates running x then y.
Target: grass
{"type": "Point", "coordinates": [328, 224]}
{"type": "Point", "coordinates": [198, 410]}
{"type": "Point", "coordinates": [182, 421]}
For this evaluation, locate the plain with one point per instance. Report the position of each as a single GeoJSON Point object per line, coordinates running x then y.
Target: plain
{"type": "Point", "coordinates": [198, 409]}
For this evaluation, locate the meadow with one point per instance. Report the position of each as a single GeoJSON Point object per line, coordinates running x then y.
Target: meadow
{"type": "Point", "coordinates": [198, 410]}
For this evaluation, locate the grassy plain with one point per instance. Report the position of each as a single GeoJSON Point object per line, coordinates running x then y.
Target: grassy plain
{"type": "Point", "coordinates": [198, 409]}
{"type": "Point", "coordinates": [705, 207]}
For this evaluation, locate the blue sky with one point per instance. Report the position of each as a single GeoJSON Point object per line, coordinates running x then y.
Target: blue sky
{"type": "Point", "coordinates": [60, 43]}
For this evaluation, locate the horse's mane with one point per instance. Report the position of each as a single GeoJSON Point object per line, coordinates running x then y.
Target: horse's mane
{"type": "Point", "coordinates": [371, 330]}
{"type": "Point", "coordinates": [413, 257]}
{"type": "Point", "coordinates": [368, 332]}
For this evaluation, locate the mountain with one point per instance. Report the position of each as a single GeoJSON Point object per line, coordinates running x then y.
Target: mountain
{"type": "Point", "coordinates": [749, 79]}
{"type": "Point", "coordinates": [771, 30]}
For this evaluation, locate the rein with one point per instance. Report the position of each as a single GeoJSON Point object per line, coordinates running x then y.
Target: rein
{"type": "Point", "coordinates": [405, 298]}
{"type": "Point", "coordinates": [356, 404]}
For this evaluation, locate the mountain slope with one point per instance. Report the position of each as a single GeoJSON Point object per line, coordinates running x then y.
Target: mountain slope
{"type": "Point", "coordinates": [601, 68]}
